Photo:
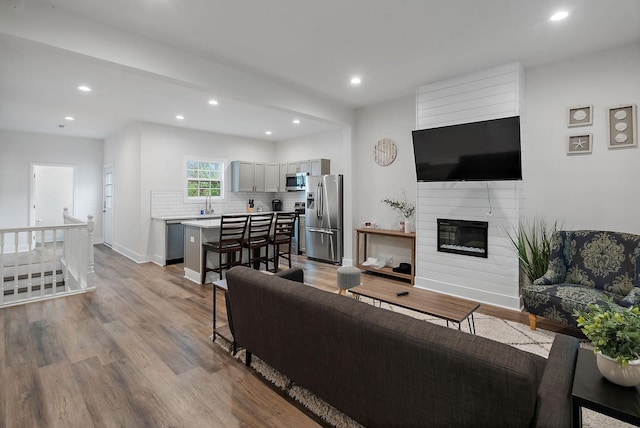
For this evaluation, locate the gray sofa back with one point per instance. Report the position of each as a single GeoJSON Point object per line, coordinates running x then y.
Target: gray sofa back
{"type": "Point", "coordinates": [387, 369]}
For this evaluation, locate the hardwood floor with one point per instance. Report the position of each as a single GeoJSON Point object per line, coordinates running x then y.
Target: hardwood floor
{"type": "Point", "coordinates": [136, 353]}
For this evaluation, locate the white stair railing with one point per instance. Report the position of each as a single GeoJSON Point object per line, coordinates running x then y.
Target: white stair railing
{"type": "Point", "coordinates": [43, 262]}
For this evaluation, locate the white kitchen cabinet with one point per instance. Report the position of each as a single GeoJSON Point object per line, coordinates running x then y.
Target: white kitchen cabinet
{"type": "Point", "coordinates": [272, 177]}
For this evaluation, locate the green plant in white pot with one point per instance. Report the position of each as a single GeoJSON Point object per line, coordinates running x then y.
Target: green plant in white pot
{"type": "Point", "coordinates": [614, 331]}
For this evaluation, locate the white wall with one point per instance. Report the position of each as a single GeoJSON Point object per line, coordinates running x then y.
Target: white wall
{"type": "Point", "coordinates": [122, 151]}
{"type": "Point", "coordinates": [394, 120]}
{"type": "Point", "coordinates": [19, 149]}
{"type": "Point", "coordinates": [326, 145]}
{"type": "Point", "coordinates": [149, 157]}
{"type": "Point", "coordinates": [593, 191]}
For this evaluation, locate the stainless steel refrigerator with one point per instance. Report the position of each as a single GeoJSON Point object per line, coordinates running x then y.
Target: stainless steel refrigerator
{"type": "Point", "coordinates": [323, 218]}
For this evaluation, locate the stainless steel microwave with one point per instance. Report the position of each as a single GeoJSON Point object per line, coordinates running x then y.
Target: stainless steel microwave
{"type": "Point", "coordinates": [296, 182]}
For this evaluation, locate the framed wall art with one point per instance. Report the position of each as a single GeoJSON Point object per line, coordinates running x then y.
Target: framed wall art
{"type": "Point", "coordinates": [580, 116]}
{"type": "Point", "coordinates": [577, 144]}
{"type": "Point", "coordinates": [622, 126]}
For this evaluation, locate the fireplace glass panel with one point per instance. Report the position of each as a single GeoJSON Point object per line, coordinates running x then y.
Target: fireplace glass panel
{"type": "Point", "coordinates": [463, 237]}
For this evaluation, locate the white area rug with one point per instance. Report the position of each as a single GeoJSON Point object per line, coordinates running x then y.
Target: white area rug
{"type": "Point", "coordinates": [512, 333]}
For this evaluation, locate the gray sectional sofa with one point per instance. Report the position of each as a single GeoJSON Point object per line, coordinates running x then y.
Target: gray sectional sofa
{"type": "Point", "coordinates": [387, 369]}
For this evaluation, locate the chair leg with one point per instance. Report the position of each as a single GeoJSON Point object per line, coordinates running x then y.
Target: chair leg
{"type": "Point", "coordinates": [204, 266]}
{"type": "Point", "coordinates": [276, 258]}
{"type": "Point", "coordinates": [220, 263]}
{"type": "Point", "coordinates": [532, 321]}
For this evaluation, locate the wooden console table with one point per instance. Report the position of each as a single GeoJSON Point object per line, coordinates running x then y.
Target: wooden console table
{"type": "Point", "coordinates": [365, 232]}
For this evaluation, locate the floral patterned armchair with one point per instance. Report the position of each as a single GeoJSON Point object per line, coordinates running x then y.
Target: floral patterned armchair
{"type": "Point", "coordinates": [585, 266]}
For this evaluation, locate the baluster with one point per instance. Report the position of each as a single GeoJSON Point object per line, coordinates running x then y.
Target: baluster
{"type": "Point", "coordinates": [89, 265]}
{"type": "Point", "coordinates": [15, 264]}
{"type": "Point", "coordinates": [68, 246]}
{"type": "Point", "coordinates": [2, 267]}
{"type": "Point", "coordinates": [42, 241]}
{"type": "Point", "coordinates": [53, 258]}
{"type": "Point", "coordinates": [29, 266]}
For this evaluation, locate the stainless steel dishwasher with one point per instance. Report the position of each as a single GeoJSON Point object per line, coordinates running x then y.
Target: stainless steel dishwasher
{"type": "Point", "coordinates": [174, 240]}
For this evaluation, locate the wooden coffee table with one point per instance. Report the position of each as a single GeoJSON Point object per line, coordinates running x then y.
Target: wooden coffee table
{"type": "Point", "coordinates": [449, 308]}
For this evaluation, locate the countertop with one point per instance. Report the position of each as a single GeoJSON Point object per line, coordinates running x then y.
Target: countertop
{"type": "Point", "coordinates": [186, 217]}
{"type": "Point", "coordinates": [203, 224]}
{"type": "Point", "coordinates": [215, 222]}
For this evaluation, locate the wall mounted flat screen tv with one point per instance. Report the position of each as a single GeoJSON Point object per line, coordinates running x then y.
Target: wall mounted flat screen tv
{"type": "Point", "coordinates": [487, 150]}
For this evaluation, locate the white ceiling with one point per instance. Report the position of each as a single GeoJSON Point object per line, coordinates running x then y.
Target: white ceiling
{"type": "Point", "coordinates": [310, 47]}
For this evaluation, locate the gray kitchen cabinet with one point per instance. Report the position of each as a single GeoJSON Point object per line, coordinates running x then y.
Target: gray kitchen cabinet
{"type": "Point", "coordinates": [311, 167]}
{"type": "Point", "coordinates": [304, 166]}
{"type": "Point", "coordinates": [283, 177]}
{"type": "Point", "coordinates": [293, 167]}
{"type": "Point", "coordinates": [272, 177]}
{"type": "Point", "coordinates": [247, 176]}
{"type": "Point", "coordinates": [320, 167]}
{"type": "Point", "coordinates": [259, 177]}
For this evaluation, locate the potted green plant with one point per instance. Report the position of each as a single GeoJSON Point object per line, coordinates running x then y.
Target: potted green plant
{"type": "Point", "coordinates": [405, 207]}
{"type": "Point", "coordinates": [532, 241]}
{"type": "Point", "coordinates": [614, 332]}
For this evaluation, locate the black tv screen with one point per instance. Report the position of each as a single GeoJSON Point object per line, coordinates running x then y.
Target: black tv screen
{"type": "Point", "coordinates": [486, 150]}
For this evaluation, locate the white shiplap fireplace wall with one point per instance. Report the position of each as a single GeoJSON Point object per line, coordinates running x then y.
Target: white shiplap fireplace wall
{"type": "Point", "coordinates": [484, 95]}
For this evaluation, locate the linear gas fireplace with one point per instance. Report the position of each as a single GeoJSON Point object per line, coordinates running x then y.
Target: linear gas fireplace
{"type": "Point", "coordinates": [463, 237]}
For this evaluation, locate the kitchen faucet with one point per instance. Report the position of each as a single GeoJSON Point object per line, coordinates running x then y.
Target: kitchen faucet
{"type": "Point", "coordinates": [208, 209]}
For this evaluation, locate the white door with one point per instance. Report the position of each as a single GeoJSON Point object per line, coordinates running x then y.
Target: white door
{"type": "Point", "coordinates": [52, 191]}
{"type": "Point", "coordinates": [107, 205]}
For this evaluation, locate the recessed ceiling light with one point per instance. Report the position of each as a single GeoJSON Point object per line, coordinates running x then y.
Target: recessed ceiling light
{"type": "Point", "coordinates": [69, 118]}
{"type": "Point", "coordinates": [180, 117]}
{"type": "Point", "coordinates": [84, 88]}
{"type": "Point", "coordinates": [356, 80]}
{"type": "Point", "coordinates": [559, 16]}
{"type": "Point", "coordinates": [213, 102]}
{"type": "Point", "coordinates": [268, 132]}
{"type": "Point", "coordinates": [296, 121]}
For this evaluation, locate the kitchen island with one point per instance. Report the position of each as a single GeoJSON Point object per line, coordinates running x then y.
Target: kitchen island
{"type": "Point", "coordinates": [196, 233]}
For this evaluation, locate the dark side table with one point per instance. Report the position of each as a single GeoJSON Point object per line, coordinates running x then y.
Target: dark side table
{"type": "Point", "coordinates": [593, 391]}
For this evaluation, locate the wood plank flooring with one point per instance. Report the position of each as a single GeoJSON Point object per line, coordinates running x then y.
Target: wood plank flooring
{"type": "Point", "coordinates": [136, 353]}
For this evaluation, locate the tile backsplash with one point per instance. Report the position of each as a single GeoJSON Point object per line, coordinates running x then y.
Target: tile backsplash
{"type": "Point", "coordinates": [167, 203]}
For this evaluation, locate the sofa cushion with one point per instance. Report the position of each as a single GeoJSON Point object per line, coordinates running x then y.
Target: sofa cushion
{"type": "Point", "coordinates": [558, 301]}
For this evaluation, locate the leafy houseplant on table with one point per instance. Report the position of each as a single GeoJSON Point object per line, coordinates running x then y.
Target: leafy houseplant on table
{"type": "Point", "coordinates": [533, 244]}
{"type": "Point", "coordinates": [405, 207]}
{"type": "Point", "coordinates": [614, 331]}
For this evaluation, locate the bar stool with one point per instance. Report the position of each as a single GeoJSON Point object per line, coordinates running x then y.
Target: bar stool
{"type": "Point", "coordinates": [282, 236]}
{"type": "Point", "coordinates": [232, 231]}
{"type": "Point", "coordinates": [258, 238]}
